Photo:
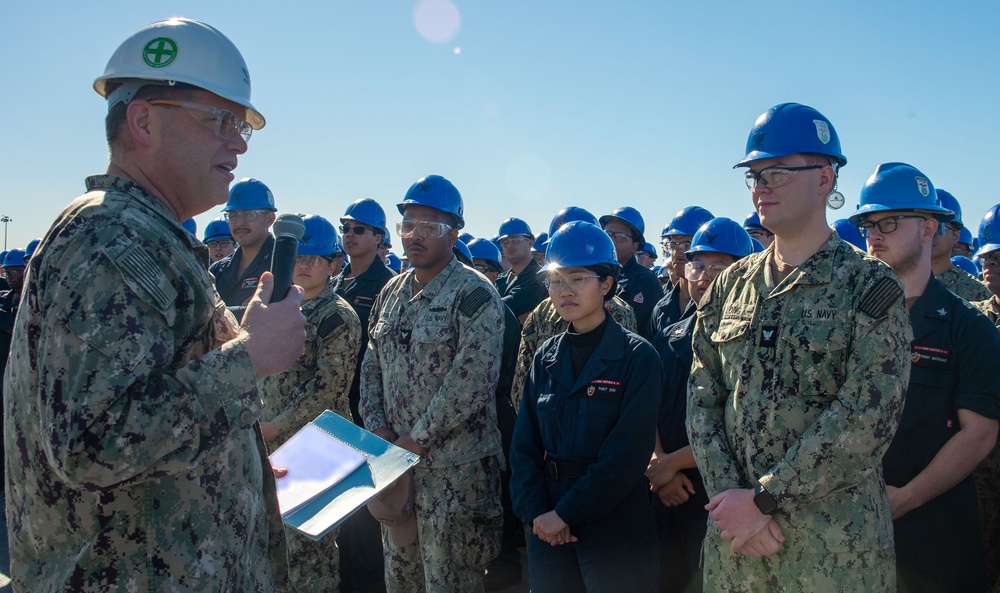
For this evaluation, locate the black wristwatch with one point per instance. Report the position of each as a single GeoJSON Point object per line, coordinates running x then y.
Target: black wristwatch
{"type": "Point", "coordinates": [766, 503]}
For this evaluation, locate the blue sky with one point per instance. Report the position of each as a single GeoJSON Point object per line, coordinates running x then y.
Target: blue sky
{"type": "Point", "coordinates": [529, 106]}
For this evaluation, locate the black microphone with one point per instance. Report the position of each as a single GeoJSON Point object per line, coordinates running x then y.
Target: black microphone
{"type": "Point", "coordinates": [288, 229]}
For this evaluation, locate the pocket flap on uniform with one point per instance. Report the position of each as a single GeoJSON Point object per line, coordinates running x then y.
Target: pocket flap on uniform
{"type": "Point", "coordinates": [730, 329]}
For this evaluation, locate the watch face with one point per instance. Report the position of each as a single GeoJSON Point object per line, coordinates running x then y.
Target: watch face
{"type": "Point", "coordinates": [766, 503]}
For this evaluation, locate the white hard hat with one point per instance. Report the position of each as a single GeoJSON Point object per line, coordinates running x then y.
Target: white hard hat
{"type": "Point", "coordinates": [179, 50]}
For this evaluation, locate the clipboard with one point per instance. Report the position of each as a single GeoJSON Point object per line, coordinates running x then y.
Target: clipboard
{"type": "Point", "coordinates": [385, 462]}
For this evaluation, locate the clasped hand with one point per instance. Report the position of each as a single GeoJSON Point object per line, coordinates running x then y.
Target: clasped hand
{"type": "Point", "coordinates": [551, 529]}
{"type": "Point", "coordinates": [753, 533]}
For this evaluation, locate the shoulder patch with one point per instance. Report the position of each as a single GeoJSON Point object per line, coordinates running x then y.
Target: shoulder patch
{"type": "Point", "coordinates": [142, 268]}
{"type": "Point", "coordinates": [474, 302]}
{"type": "Point", "coordinates": [880, 297]}
{"type": "Point", "coordinates": [329, 324]}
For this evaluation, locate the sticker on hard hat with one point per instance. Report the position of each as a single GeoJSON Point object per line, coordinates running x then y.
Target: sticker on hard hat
{"type": "Point", "coordinates": [822, 130]}
{"type": "Point", "coordinates": [922, 186]}
{"type": "Point", "coordinates": [160, 52]}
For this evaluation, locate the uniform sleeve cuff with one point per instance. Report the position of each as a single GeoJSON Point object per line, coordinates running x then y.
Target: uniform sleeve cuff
{"type": "Point", "coordinates": [780, 482]}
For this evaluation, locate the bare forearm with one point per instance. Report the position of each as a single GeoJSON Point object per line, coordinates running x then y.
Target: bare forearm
{"type": "Point", "coordinates": [956, 460]}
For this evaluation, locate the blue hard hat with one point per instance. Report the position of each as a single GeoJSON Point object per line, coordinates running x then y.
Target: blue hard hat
{"type": "Point", "coordinates": [466, 238]}
{"type": "Point", "coordinates": [540, 241]}
{"type": "Point", "coordinates": [757, 245]}
{"type": "Point", "coordinates": [217, 229]}
{"type": "Point", "coordinates": [393, 262]}
{"type": "Point", "coordinates": [648, 248]}
{"type": "Point", "coordinates": [435, 192]}
{"type": "Point", "coordinates": [319, 238]}
{"type": "Point", "coordinates": [191, 226]}
{"type": "Point", "coordinates": [965, 235]}
{"type": "Point", "coordinates": [580, 244]}
{"type": "Point", "coordinates": [250, 194]}
{"type": "Point", "coordinates": [462, 253]}
{"type": "Point", "coordinates": [483, 249]}
{"type": "Point", "coordinates": [569, 214]}
{"type": "Point", "coordinates": [949, 202]}
{"type": "Point", "coordinates": [898, 186]}
{"type": "Point", "coordinates": [14, 259]}
{"type": "Point", "coordinates": [366, 211]}
{"type": "Point", "coordinates": [989, 231]}
{"type": "Point", "coordinates": [3, 254]}
{"type": "Point", "coordinates": [514, 226]}
{"type": "Point", "coordinates": [687, 222]}
{"type": "Point", "coordinates": [848, 231]}
{"type": "Point", "coordinates": [721, 235]}
{"type": "Point", "coordinates": [791, 128]}
{"type": "Point", "coordinates": [632, 218]}
{"type": "Point", "coordinates": [30, 249]}
{"type": "Point", "coordinates": [966, 264]}
{"type": "Point", "coordinates": [752, 223]}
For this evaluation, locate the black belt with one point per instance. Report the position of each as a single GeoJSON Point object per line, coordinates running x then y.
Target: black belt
{"type": "Point", "coordinates": [564, 470]}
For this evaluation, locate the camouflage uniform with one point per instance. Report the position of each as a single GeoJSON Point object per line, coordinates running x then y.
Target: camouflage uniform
{"type": "Point", "coordinates": [319, 380]}
{"type": "Point", "coordinates": [991, 308]}
{"type": "Point", "coordinates": [430, 371]}
{"type": "Point", "coordinates": [799, 387]}
{"type": "Point", "coordinates": [543, 323]}
{"type": "Point", "coordinates": [988, 481]}
{"type": "Point", "coordinates": [133, 454]}
{"type": "Point", "coordinates": [961, 283]}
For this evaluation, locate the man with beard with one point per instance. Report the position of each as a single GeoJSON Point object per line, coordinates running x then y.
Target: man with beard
{"type": "Point", "coordinates": [949, 423]}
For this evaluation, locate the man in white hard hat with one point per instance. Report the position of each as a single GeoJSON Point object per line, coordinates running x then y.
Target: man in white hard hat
{"type": "Point", "coordinates": [134, 455]}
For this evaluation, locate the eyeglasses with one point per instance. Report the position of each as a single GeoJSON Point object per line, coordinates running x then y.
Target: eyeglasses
{"type": "Point", "coordinates": [227, 123]}
{"type": "Point", "coordinates": [422, 229]}
{"type": "Point", "coordinates": [774, 177]}
{"type": "Point", "coordinates": [557, 283]}
{"type": "Point", "coordinates": [512, 240]}
{"type": "Point", "coordinates": [17, 271]}
{"type": "Point", "coordinates": [886, 225]}
{"type": "Point", "coordinates": [677, 245]}
{"type": "Point", "coordinates": [696, 270]}
{"type": "Point", "coordinates": [758, 234]}
{"type": "Point", "coordinates": [483, 268]}
{"type": "Point", "coordinates": [990, 259]}
{"type": "Point", "coordinates": [311, 261]}
{"type": "Point", "coordinates": [243, 215]}
{"type": "Point", "coordinates": [618, 235]}
{"type": "Point", "coordinates": [356, 229]}
{"type": "Point", "coordinates": [220, 244]}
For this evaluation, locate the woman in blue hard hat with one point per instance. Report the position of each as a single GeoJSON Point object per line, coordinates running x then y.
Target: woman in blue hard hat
{"type": "Point", "coordinates": [679, 504]}
{"type": "Point", "coordinates": [585, 432]}
{"type": "Point", "coordinates": [319, 380]}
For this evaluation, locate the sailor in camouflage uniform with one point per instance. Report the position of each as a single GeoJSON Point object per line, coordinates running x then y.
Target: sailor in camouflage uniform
{"type": "Point", "coordinates": [319, 380]}
{"type": "Point", "coordinates": [951, 276]}
{"type": "Point", "coordinates": [427, 383]}
{"type": "Point", "coordinates": [133, 454]}
{"type": "Point", "coordinates": [800, 361]}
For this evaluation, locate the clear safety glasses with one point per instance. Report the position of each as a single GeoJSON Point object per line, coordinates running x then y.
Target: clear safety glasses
{"type": "Point", "coordinates": [227, 124]}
